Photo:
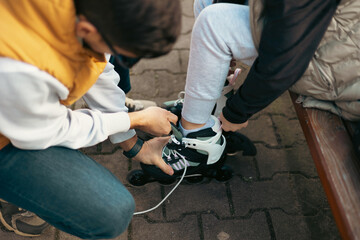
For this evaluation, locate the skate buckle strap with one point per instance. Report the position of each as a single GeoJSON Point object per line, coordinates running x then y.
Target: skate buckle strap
{"type": "Point", "coordinates": [181, 97]}
{"type": "Point", "coordinates": [174, 140]}
{"type": "Point", "coordinates": [210, 146]}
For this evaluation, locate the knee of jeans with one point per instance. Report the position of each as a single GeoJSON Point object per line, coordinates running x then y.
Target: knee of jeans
{"type": "Point", "coordinates": [115, 217]}
{"type": "Point", "coordinates": [119, 218]}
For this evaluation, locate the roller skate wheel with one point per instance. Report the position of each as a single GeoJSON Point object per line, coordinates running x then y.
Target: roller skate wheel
{"type": "Point", "coordinates": [194, 179]}
{"type": "Point", "coordinates": [137, 178]}
{"type": "Point", "coordinates": [167, 182]}
{"type": "Point", "coordinates": [224, 174]}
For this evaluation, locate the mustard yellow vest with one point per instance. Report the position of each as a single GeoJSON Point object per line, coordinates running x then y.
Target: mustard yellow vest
{"type": "Point", "coordinates": [42, 33]}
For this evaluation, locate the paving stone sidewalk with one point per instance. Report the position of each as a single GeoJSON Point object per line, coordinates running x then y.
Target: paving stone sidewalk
{"type": "Point", "coordinates": [275, 195]}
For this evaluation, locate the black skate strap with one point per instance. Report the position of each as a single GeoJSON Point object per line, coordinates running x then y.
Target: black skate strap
{"type": "Point", "coordinates": [176, 132]}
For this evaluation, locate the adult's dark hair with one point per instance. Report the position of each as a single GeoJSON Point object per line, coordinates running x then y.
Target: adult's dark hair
{"type": "Point", "coordinates": [230, 1]}
{"type": "Point", "coordinates": [145, 27]}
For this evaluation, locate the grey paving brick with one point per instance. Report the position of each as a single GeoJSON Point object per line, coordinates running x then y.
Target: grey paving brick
{"type": "Point", "coordinates": [261, 130]}
{"type": "Point", "coordinates": [299, 227]}
{"type": "Point", "coordinates": [108, 147]}
{"type": "Point", "coordinates": [96, 149]}
{"type": "Point", "coordinates": [295, 159]}
{"type": "Point", "coordinates": [159, 86]}
{"type": "Point", "coordinates": [187, 24]}
{"type": "Point", "coordinates": [275, 193]}
{"type": "Point", "coordinates": [187, 8]}
{"type": "Point", "coordinates": [243, 166]}
{"type": "Point", "coordinates": [146, 197]}
{"type": "Point", "coordinates": [143, 85]}
{"type": "Point", "coordinates": [299, 157]}
{"type": "Point", "coordinates": [65, 236]}
{"type": "Point", "coordinates": [187, 228]}
{"type": "Point", "coordinates": [171, 84]}
{"type": "Point", "coordinates": [310, 194]}
{"type": "Point", "coordinates": [289, 131]}
{"type": "Point", "coordinates": [211, 197]}
{"type": "Point", "coordinates": [169, 62]}
{"type": "Point", "coordinates": [254, 227]}
{"type": "Point", "coordinates": [184, 60]}
{"type": "Point", "coordinates": [183, 41]}
{"type": "Point", "coordinates": [282, 106]}
{"type": "Point", "coordinates": [117, 163]}
{"type": "Point", "coordinates": [293, 193]}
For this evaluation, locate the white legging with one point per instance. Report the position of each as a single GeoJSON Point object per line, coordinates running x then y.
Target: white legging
{"type": "Point", "coordinates": [221, 32]}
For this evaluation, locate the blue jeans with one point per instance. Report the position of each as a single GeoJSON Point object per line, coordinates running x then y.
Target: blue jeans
{"type": "Point", "coordinates": [67, 189]}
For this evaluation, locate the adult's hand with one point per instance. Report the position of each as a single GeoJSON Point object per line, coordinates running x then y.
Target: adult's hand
{"type": "Point", "coordinates": [231, 127]}
{"type": "Point", "coordinates": [151, 154]}
{"type": "Point", "coordinates": [153, 120]}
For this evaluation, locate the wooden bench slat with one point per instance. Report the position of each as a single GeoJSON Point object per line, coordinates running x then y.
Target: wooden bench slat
{"type": "Point", "coordinates": [337, 165]}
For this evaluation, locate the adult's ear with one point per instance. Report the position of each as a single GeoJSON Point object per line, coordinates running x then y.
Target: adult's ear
{"type": "Point", "coordinates": [85, 29]}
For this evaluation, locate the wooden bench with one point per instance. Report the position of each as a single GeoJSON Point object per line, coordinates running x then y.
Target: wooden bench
{"type": "Point", "coordinates": [330, 143]}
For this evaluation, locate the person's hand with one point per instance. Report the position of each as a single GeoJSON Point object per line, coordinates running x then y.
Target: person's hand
{"type": "Point", "coordinates": [151, 154]}
{"type": "Point", "coordinates": [153, 120]}
{"type": "Point", "coordinates": [231, 127]}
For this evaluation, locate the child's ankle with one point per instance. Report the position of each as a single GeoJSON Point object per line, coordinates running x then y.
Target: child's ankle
{"type": "Point", "coordinates": [188, 127]}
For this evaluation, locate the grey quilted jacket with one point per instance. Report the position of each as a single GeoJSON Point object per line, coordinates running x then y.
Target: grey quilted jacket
{"type": "Point", "coordinates": [332, 79]}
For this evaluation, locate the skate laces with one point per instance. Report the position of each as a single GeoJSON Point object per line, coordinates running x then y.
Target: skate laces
{"type": "Point", "coordinates": [173, 157]}
{"type": "Point", "coordinates": [172, 147]}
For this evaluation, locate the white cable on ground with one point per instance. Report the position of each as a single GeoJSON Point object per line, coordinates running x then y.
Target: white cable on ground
{"type": "Point", "coordinates": [151, 209]}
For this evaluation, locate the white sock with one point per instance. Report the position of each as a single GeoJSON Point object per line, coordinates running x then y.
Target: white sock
{"type": "Point", "coordinates": [209, 123]}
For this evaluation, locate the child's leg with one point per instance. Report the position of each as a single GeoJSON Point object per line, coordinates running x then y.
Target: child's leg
{"type": "Point", "coordinates": [221, 32]}
{"type": "Point", "coordinates": [199, 5]}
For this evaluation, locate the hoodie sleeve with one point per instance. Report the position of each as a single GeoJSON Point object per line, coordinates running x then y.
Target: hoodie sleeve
{"type": "Point", "coordinates": [291, 34]}
{"type": "Point", "coordinates": [31, 116]}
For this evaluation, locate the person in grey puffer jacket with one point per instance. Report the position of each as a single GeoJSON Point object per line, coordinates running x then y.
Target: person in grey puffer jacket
{"type": "Point", "coordinates": [308, 46]}
{"type": "Point", "coordinates": [332, 79]}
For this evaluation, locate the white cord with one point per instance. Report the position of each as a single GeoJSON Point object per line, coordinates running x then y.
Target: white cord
{"type": "Point", "coordinates": [151, 209]}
